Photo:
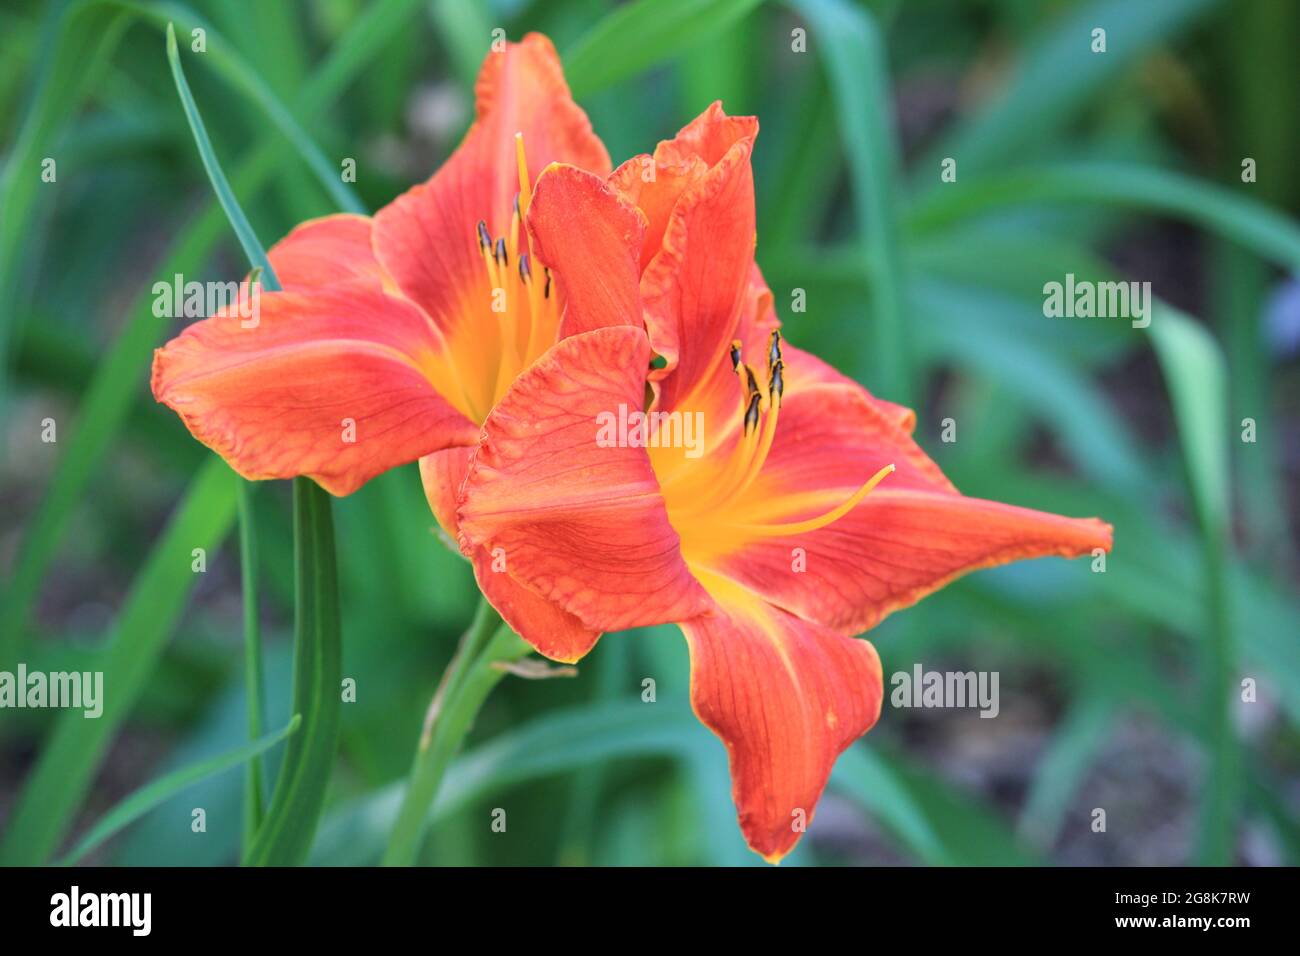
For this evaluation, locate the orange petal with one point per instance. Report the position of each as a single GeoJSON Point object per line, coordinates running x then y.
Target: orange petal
{"type": "Point", "coordinates": [426, 238]}
{"type": "Point", "coordinates": [333, 384]}
{"type": "Point", "coordinates": [786, 697]}
{"type": "Point", "coordinates": [694, 286]}
{"type": "Point", "coordinates": [654, 184]}
{"type": "Point", "coordinates": [522, 90]}
{"type": "Point", "coordinates": [554, 632]}
{"type": "Point", "coordinates": [577, 513]}
{"type": "Point", "coordinates": [442, 474]}
{"type": "Point", "coordinates": [323, 252]}
{"type": "Point", "coordinates": [909, 537]}
{"type": "Point", "coordinates": [590, 236]}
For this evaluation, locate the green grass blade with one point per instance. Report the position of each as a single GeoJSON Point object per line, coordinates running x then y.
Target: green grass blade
{"type": "Point", "coordinates": [1058, 76]}
{"type": "Point", "coordinates": [71, 754]}
{"type": "Point", "coordinates": [847, 37]}
{"type": "Point", "coordinates": [1196, 378]}
{"type": "Point", "coordinates": [1062, 768]}
{"type": "Point", "coordinates": [559, 742]}
{"type": "Point", "coordinates": [286, 834]}
{"type": "Point", "coordinates": [285, 837]}
{"type": "Point", "coordinates": [466, 29]}
{"type": "Point", "coordinates": [248, 241]}
{"type": "Point", "coordinates": [253, 682]}
{"type": "Point", "coordinates": [927, 815]}
{"type": "Point", "coordinates": [246, 80]}
{"type": "Point", "coordinates": [151, 795]}
{"type": "Point", "coordinates": [641, 34]}
{"type": "Point", "coordinates": [111, 394]}
{"type": "Point", "coordinates": [71, 59]}
{"type": "Point", "coordinates": [1266, 232]}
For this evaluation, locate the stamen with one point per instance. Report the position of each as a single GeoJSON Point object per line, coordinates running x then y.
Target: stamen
{"type": "Point", "coordinates": [812, 524]}
{"type": "Point", "coordinates": [525, 186]}
{"type": "Point", "coordinates": [751, 413]}
{"type": "Point", "coordinates": [484, 239]}
{"type": "Point", "coordinates": [514, 226]}
{"type": "Point", "coordinates": [546, 293]}
{"type": "Point", "coordinates": [774, 351]}
{"type": "Point", "coordinates": [525, 272]}
{"type": "Point", "coordinates": [774, 389]}
{"type": "Point", "coordinates": [500, 254]}
{"type": "Point", "coordinates": [751, 385]}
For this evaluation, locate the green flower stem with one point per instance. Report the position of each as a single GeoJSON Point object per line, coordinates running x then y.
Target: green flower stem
{"type": "Point", "coordinates": [253, 681]}
{"type": "Point", "coordinates": [465, 685]}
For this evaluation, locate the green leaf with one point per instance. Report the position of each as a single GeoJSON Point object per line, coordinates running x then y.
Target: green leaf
{"type": "Point", "coordinates": [253, 250]}
{"type": "Point", "coordinates": [148, 797]}
{"type": "Point", "coordinates": [926, 814]}
{"type": "Point", "coordinates": [641, 34]}
{"type": "Point", "coordinates": [286, 834]}
{"type": "Point", "coordinates": [247, 81]}
{"type": "Point", "coordinates": [72, 57]}
{"type": "Point", "coordinates": [847, 37]}
{"type": "Point", "coordinates": [555, 743]}
{"type": "Point", "coordinates": [1253, 225]}
{"type": "Point", "coordinates": [1196, 377]}
{"type": "Point", "coordinates": [70, 756]}
{"type": "Point", "coordinates": [254, 688]}
{"type": "Point", "coordinates": [1057, 77]}
{"type": "Point", "coordinates": [1062, 768]}
{"type": "Point", "coordinates": [115, 386]}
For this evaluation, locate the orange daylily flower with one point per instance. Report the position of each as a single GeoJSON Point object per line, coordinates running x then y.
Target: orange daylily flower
{"type": "Point", "coordinates": [395, 335]}
{"type": "Point", "coordinates": [808, 515]}
{"type": "Point", "coordinates": [407, 326]}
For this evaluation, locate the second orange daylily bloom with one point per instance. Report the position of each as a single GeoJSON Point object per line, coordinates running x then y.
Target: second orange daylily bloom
{"type": "Point", "coordinates": [808, 515]}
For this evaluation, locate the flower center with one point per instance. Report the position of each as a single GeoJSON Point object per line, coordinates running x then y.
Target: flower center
{"type": "Point", "coordinates": [523, 302]}
{"type": "Point", "coordinates": [708, 502]}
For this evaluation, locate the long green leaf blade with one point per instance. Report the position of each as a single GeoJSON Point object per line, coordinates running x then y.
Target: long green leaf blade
{"type": "Point", "coordinates": [847, 37]}
{"type": "Point", "coordinates": [132, 807]}
{"type": "Point", "coordinates": [286, 834]}
{"type": "Point", "coordinates": [67, 763]}
{"type": "Point", "coordinates": [638, 35]}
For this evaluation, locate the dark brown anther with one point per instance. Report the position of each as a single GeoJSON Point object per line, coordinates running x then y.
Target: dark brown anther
{"type": "Point", "coordinates": [500, 253]}
{"type": "Point", "coordinates": [524, 271]}
{"type": "Point", "coordinates": [751, 381]}
{"type": "Point", "coordinates": [484, 240]}
{"type": "Point", "coordinates": [751, 413]}
{"type": "Point", "coordinates": [735, 356]}
{"type": "Point", "coordinates": [546, 292]}
{"type": "Point", "coordinates": [774, 350]}
{"type": "Point", "coordinates": [777, 385]}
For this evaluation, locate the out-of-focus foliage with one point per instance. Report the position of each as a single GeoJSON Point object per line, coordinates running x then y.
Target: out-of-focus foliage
{"type": "Point", "coordinates": [1120, 689]}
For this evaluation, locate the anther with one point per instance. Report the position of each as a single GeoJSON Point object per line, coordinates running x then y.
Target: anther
{"type": "Point", "coordinates": [735, 356]}
{"type": "Point", "coordinates": [546, 292]}
{"type": "Point", "coordinates": [774, 350]}
{"type": "Point", "coordinates": [777, 384]}
{"type": "Point", "coordinates": [524, 271]}
{"type": "Point", "coordinates": [751, 413]}
{"type": "Point", "coordinates": [500, 253]}
{"type": "Point", "coordinates": [751, 381]}
{"type": "Point", "coordinates": [484, 240]}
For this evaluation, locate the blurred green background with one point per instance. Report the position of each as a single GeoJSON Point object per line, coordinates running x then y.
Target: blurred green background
{"type": "Point", "coordinates": [1120, 690]}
